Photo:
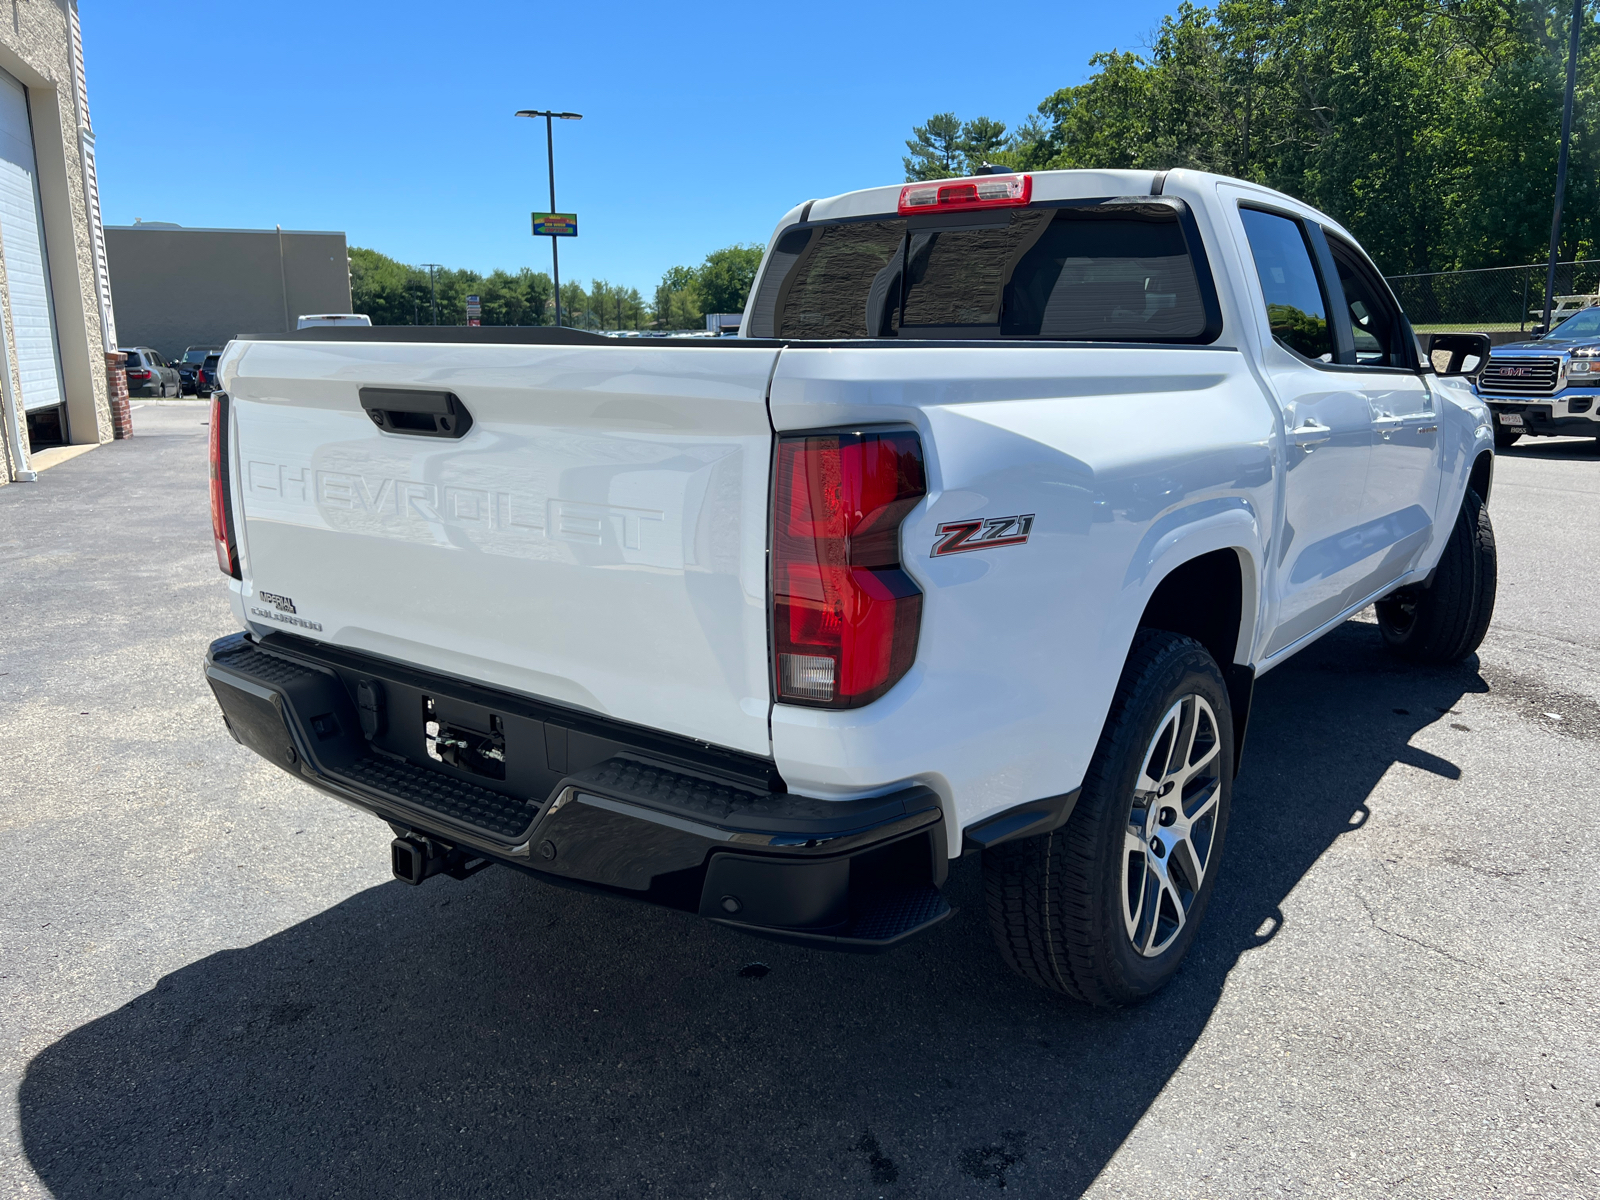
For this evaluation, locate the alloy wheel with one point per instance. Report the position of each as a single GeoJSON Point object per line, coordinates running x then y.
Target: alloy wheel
{"type": "Point", "coordinates": [1171, 825]}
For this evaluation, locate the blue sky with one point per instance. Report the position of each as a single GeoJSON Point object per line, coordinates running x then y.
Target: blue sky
{"type": "Point", "coordinates": [703, 123]}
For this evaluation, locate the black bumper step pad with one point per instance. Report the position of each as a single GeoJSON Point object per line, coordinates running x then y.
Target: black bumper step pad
{"type": "Point", "coordinates": [885, 917]}
{"type": "Point", "coordinates": [260, 666]}
{"type": "Point", "coordinates": [729, 806]}
{"type": "Point", "coordinates": [342, 756]}
{"type": "Point", "coordinates": [669, 790]}
{"type": "Point", "coordinates": [505, 817]}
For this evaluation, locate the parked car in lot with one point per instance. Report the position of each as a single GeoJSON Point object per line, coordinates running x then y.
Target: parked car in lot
{"type": "Point", "coordinates": [189, 365]}
{"type": "Point", "coordinates": [149, 374]}
{"type": "Point", "coordinates": [973, 541]}
{"type": "Point", "coordinates": [205, 376]}
{"type": "Point", "coordinates": [1548, 386]}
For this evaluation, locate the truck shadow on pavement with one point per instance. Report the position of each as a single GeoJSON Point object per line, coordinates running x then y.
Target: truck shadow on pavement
{"type": "Point", "coordinates": [503, 1037]}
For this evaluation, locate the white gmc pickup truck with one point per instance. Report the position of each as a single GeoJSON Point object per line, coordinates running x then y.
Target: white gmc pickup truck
{"type": "Point", "coordinates": [974, 541]}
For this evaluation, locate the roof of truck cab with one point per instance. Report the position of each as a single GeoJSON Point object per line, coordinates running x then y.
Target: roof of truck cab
{"type": "Point", "coordinates": [1056, 185]}
{"type": "Point", "coordinates": [1047, 185]}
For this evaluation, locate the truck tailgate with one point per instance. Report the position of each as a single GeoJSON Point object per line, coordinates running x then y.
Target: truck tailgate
{"type": "Point", "coordinates": [597, 538]}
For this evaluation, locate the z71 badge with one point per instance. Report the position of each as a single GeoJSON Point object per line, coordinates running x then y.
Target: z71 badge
{"type": "Point", "coordinates": [981, 533]}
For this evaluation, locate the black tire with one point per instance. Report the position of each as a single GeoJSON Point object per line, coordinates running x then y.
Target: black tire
{"type": "Point", "coordinates": [1056, 902]}
{"type": "Point", "coordinates": [1505, 438]}
{"type": "Point", "coordinates": [1446, 621]}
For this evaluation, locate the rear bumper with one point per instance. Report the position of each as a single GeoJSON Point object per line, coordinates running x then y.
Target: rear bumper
{"type": "Point", "coordinates": [587, 803]}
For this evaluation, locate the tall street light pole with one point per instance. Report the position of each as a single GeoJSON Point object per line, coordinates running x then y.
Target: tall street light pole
{"type": "Point", "coordinates": [550, 153]}
{"type": "Point", "coordinates": [1561, 163]}
{"type": "Point", "coordinates": [433, 290]}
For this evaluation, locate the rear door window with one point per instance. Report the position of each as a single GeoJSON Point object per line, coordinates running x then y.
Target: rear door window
{"type": "Point", "coordinates": [1096, 271]}
{"type": "Point", "coordinates": [1296, 307]}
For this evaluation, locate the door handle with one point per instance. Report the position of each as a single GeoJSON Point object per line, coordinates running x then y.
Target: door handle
{"type": "Point", "coordinates": [421, 414]}
{"type": "Point", "coordinates": [1386, 423]}
{"type": "Point", "coordinates": [1310, 434]}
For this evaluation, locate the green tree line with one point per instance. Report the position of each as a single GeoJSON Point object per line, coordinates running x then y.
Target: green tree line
{"type": "Point", "coordinates": [395, 293]}
{"type": "Point", "coordinates": [1430, 128]}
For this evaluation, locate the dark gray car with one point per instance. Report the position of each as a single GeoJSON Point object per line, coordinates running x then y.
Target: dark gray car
{"type": "Point", "coordinates": [149, 374]}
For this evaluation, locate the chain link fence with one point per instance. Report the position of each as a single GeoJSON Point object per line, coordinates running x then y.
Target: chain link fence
{"type": "Point", "coordinates": [1495, 298]}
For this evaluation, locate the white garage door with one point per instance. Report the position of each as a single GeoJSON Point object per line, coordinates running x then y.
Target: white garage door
{"type": "Point", "coordinates": [27, 269]}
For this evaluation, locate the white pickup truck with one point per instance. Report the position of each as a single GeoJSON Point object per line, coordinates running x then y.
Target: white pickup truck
{"type": "Point", "coordinates": [973, 541]}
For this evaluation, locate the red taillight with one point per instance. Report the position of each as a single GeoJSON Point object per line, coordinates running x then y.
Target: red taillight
{"type": "Point", "coordinates": [983, 191]}
{"type": "Point", "coordinates": [138, 373]}
{"type": "Point", "coordinates": [221, 517]}
{"type": "Point", "coordinates": [844, 614]}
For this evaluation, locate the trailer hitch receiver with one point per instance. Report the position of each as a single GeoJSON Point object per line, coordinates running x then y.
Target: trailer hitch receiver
{"type": "Point", "coordinates": [416, 858]}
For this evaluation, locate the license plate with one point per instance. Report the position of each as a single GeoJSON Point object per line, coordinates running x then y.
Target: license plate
{"type": "Point", "coordinates": [1511, 418]}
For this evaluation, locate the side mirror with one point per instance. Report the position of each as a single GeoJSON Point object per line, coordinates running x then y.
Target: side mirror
{"type": "Point", "coordinates": [1465, 353]}
{"type": "Point", "coordinates": [1538, 331]}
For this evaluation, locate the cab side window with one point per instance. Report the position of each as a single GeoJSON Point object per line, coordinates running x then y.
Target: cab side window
{"type": "Point", "coordinates": [1375, 322]}
{"type": "Point", "coordinates": [1297, 309]}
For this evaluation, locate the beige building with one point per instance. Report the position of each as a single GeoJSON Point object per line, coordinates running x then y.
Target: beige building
{"type": "Point", "coordinates": [178, 287]}
{"type": "Point", "coordinates": [55, 294]}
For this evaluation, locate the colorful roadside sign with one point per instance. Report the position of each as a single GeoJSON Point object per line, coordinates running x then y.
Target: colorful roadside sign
{"type": "Point", "coordinates": [555, 224]}
{"type": "Point", "coordinates": [474, 310]}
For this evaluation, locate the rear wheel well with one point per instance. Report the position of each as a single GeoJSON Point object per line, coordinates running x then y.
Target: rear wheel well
{"type": "Point", "coordinates": [1204, 599]}
{"type": "Point", "coordinates": [1482, 477]}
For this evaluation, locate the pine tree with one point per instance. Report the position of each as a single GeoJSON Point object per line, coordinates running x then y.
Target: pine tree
{"type": "Point", "coordinates": [982, 141]}
{"type": "Point", "coordinates": [937, 149]}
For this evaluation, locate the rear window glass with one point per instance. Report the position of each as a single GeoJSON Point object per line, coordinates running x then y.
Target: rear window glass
{"type": "Point", "coordinates": [956, 277]}
{"type": "Point", "coordinates": [1121, 272]}
{"type": "Point", "coordinates": [1107, 275]}
{"type": "Point", "coordinates": [832, 285]}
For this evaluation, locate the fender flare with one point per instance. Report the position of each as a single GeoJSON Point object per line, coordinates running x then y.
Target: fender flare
{"type": "Point", "coordinates": [1225, 523]}
{"type": "Point", "coordinates": [1209, 527]}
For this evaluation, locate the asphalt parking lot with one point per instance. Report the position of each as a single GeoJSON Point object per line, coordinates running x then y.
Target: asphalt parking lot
{"type": "Point", "coordinates": [209, 985]}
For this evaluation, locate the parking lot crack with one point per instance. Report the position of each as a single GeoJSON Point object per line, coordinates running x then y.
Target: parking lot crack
{"type": "Point", "coordinates": [1475, 968]}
